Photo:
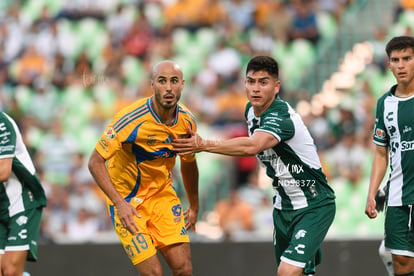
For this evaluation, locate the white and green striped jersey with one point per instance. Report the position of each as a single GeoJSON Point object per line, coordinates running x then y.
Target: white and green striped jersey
{"type": "Point", "coordinates": [394, 128]}
{"type": "Point", "coordinates": [23, 189]}
{"type": "Point", "coordinates": [293, 164]}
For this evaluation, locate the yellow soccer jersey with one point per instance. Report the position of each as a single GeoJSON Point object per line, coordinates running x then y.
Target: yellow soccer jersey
{"type": "Point", "coordinates": [137, 145]}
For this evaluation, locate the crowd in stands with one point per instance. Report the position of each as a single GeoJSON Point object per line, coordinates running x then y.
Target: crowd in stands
{"type": "Point", "coordinates": [67, 66]}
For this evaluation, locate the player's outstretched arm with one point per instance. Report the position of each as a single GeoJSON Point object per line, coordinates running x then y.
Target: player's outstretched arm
{"type": "Point", "coordinates": [240, 146]}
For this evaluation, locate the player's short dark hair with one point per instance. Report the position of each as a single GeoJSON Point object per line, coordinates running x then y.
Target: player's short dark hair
{"type": "Point", "coordinates": [399, 43]}
{"type": "Point", "coordinates": [264, 63]}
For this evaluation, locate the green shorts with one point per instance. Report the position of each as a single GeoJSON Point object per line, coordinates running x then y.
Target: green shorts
{"type": "Point", "coordinates": [21, 232]}
{"type": "Point", "coordinates": [298, 235]}
{"type": "Point", "coordinates": [399, 232]}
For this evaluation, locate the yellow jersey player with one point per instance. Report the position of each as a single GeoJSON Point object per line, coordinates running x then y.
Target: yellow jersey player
{"type": "Point", "coordinates": [132, 164]}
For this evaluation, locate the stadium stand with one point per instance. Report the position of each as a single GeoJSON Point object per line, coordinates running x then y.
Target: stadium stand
{"type": "Point", "coordinates": [89, 74]}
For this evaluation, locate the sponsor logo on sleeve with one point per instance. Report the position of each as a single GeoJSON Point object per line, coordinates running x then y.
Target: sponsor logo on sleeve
{"type": "Point", "coordinates": [110, 134]}
{"type": "Point", "coordinates": [379, 133]}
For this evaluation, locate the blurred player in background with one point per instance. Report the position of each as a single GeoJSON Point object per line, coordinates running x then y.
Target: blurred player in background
{"type": "Point", "coordinates": [394, 140]}
{"type": "Point", "coordinates": [145, 210]}
{"type": "Point", "coordinates": [304, 204]}
{"type": "Point", "coordinates": [22, 199]}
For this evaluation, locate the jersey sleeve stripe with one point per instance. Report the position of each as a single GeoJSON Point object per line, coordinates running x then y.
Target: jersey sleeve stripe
{"type": "Point", "coordinates": [7, 156]}
{"type": "Point", "coordinates": [270, 132]}
{"type": "Point", "coordinates": [133, 116]}
{"type": "Point", "coordinates": [379, 143]}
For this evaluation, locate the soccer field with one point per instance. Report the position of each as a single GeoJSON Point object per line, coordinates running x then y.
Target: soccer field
{"type": "Point", "coordinates": [340, 258]}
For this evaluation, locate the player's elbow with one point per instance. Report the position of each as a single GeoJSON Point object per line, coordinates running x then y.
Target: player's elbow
{"type": "Point", "coordinates": [252, 149]}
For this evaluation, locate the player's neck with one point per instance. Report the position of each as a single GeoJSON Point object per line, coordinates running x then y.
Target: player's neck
{"type": "Point", "coordinates": [167, 115]}
{"type": "Point", "coordinates": [404, 90]}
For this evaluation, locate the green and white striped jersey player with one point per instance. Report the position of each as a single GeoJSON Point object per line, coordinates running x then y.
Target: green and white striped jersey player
{"type": "Point", "coordinates": [293, 164]}
{"type": "Point", "coordinates": [21, 194]}
{"type": "Point", "coordinates": [394, 129]}
{"type": "Point", "coordinates": [304, 202]}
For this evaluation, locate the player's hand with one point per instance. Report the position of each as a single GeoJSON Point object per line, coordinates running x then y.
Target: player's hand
{"type": "Point", "coordinates": [184, 146]}
{"type": "Point", "coordinates": [126, 213]}
{"type": "Point", "coordinates": [190, 217]}
{"type": "Point", "coordinates": [370, 210]}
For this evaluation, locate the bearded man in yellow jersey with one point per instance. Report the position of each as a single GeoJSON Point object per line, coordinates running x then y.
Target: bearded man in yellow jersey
{"type": "Point", "coordinates": [132, 164]}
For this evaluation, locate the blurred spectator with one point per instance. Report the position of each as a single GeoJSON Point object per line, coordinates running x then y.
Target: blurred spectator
{"type": "Point", "coordinates": [83, 66]}
{"type": "Point", "coordinates": [261, 41]}
{"type": "Point", "coordinates": [243, 166]}
{"type": "Point", "coordinates": [333, 7]}
{"type": "Point", "coordinates": [138, 38]}
{"type": "Point", "coordinates": [407, 4]}
{"type": "Point", "coordinates": [231, 102]}
{"type": "Point", "coordinates": [44, 36]}
{"type": "Point", "coordinates": [44, 20]}
{"type": "Point", "coordinates": [347, 159]}
{"type": "Point", "coordinates": [118, 23]}
{"type": "Point", "coordinates": [378, 45]}
{"type": "Point", "coordinates": [84, 196]}
{"type": "Point", "coordinates": [186, 14]}
{"type": "Point", "coordinates": [226, 63]}
{"type": "Point", "coordinates": [79, 9]}
{"type": "Point", "coordinates": [12, 34]}
{"type": "Point", "coordinates": [304, 23]}
{"type": "Point", "coordinates": [263, 11]}
{"type": "Point", "coordinates": [114, 57]}
{"type": "Point", "coordinates": [213, 13]}
{"type": "Point", "coordinates": [84, 228]}
{"type": "Point", "coordinates": [252, 193]}
{"type": "Point", "coordinates": [235, 217]}
{"type": "Point", "coordinates": [4, 67]}
{"type": "Point", "coordinates": [241, 13]}
{"type": "Point", "coordinates": [58, 212]}
{"type": "Point", "coordinates": [44, 103]}
{"type": "Point", "coordinates": [55, 154]}
{"type": "Point", "coordinates": [61, 68]}
{"type": "Point", "coordinates": [319, 127]}
{"type": "Point", "coordinates": [30, 66]}
{"type": "Point", "coordinates": [204, 102]}
{"type": "Point", "coordinates": [278, 22]}
{"type": "Point", "coordinates": [342, 119]}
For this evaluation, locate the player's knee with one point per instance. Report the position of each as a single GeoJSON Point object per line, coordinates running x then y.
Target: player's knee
{"type": "Point", "coordinates": [185, 269]}
{"type": "Point", "coordinates": [289, 271]}
{"type": "Point", "coordinates": [11, 270]}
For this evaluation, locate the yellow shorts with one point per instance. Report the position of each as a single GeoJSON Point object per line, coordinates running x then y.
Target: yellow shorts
{"type": "Point", "coordinates": [161, 224]}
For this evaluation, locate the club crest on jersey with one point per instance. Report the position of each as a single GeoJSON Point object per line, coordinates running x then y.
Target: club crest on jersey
{"type": "Point", "coordinates": [110, 134]}
{"type": "Point", "coordinates": [300, 234]}
{"type": "Point", "coordinates": [22, 220]}
{"type": "Point", "coordinates": [151, 140]}
{"type": "Point", "coordinates": [176, 209]}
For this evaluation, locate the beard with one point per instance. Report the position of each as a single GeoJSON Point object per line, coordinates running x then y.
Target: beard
{"type": "Point", "coordinates": [167, 101]}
